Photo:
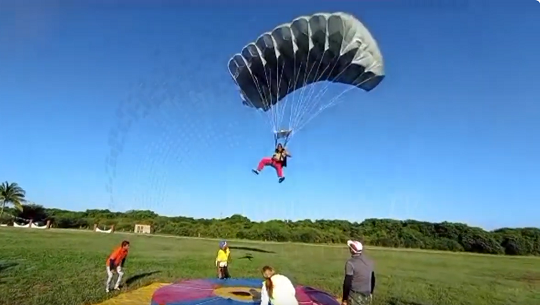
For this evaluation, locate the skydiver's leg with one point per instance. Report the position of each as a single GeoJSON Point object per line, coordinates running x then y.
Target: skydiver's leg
{"type": "Point", "coordinates": [279, 170]}
{"type": "Point", "coordinates": [264, 162]}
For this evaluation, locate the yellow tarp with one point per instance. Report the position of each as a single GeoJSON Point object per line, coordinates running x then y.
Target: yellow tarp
{"type": "Point", "coordinates": [141, 296]}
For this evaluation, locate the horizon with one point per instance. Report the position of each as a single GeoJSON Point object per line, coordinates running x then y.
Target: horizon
{"type": "Point", "coordinates": [132, 108]}
{"type": "Point", "coordinates": [283, 220]}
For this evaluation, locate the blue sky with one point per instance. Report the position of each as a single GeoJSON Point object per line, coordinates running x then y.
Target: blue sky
{"type": "Point", "coordinates": [143, 92]}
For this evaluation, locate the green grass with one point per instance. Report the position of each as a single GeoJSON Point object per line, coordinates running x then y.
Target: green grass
{"type": "Point", "coordinates": [56, 267]}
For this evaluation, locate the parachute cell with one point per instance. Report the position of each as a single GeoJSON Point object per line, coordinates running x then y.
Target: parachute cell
{"type": "Point", "coordinates": [334, 47]}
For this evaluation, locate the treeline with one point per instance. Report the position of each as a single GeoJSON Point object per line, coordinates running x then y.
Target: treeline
{"type": "Point", "coordinates": [378, 232]}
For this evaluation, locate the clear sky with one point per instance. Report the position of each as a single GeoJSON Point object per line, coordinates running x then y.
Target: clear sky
{"type": "Point", "coordinates": [135, 103]}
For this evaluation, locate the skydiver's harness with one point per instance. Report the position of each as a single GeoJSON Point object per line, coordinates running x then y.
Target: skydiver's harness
{"type": "Point", "coordinates": [280, 157]}
{"type": "Point", "coordinates": [285, 135]}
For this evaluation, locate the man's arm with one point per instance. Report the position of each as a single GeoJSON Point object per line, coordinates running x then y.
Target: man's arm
{"type": "Point", "coordinates": [372, 281]}
{"type": "Point", "coordinates": [347, 281]}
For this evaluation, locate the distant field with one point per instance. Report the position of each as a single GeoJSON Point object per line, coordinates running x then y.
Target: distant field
{"type": "Point", "coordinates": [56, 267]}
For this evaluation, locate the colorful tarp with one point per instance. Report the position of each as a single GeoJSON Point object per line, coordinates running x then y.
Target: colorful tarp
{"type": "Point", "coordinates": [229, 292]}
{"type": "Point", "coordinates": [141, 296]}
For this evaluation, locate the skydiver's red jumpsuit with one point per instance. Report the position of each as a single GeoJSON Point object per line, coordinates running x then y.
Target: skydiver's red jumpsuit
{"type": "Point", "coordinates": [274, 161]}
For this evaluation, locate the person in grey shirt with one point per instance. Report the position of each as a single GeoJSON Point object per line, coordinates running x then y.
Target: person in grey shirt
{"type": "Point", "coordinates": [359, 282]}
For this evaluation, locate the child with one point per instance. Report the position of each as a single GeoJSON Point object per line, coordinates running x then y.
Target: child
{"type": "Point", "coordinates": [115, 262]}
{"type": "Point", "coordinates": [222, 260]}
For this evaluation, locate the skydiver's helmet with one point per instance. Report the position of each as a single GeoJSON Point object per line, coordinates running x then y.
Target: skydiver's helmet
{"type": "Point", "coordinates": [222, 244]}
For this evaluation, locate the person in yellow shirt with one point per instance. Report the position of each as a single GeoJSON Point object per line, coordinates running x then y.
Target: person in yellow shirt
{"type": "Point", "coordinates": [223, 259]}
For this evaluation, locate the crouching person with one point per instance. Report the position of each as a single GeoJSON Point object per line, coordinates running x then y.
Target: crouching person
{"type": "Point", "coordinates": [115, 263]}
{"type": "Point", "coordinates": [277, 289]}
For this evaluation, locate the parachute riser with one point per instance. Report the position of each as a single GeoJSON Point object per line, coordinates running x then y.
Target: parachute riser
{"type": "Point", "coordinates": [284, 134]}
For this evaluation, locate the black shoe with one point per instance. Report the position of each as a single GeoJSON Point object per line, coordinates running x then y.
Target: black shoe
{"type": "Point", "coordinates": [281, 179]}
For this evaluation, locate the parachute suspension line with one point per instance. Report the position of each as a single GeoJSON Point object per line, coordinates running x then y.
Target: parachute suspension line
{"type": "Point", "coordinates": [275, 112]}
{"type": "Point", "coordinates": [258, 90]}
{"type": "Point", "coordinates": [316, 101]}
{"type": "Point", "coordinates": [281, 107]}
{"type": "Point", "coordinates": [295, 105]}
{"type": "Point", "coordinates": [308, 104]}
{"type": "Point", "coordinates": [333, 102]}
{"type": "Point", "coordinates": [299, 106]}
{"type": "Point", "coordinates": [279, 132]}
{"type": "Point", "coordinates": [262, 95]}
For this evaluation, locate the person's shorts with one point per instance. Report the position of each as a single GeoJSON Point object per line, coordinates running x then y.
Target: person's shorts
{"type": "Point", "coordinates": [222, 264]}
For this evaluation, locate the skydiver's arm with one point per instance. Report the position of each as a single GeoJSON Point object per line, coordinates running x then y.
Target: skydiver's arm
{"type": "Point", "coordinates": [287, 153]}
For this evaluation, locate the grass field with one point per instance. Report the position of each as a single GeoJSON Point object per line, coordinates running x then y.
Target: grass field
{"type": "Point", "coordinates": [56, 267]}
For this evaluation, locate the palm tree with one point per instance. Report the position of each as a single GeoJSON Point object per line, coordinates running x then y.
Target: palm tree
{"type": "Point", "coordinates": [11, 193]}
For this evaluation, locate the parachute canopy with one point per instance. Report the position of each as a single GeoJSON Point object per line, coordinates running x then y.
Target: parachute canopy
{"type": "Point", "coordinates": [333, 47]}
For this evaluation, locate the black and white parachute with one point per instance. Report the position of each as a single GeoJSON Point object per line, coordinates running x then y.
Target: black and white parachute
{"type": "Point", "coordinates": [331, 47]}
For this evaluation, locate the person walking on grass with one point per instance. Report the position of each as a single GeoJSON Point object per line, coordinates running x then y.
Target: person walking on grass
{"type": "Point", "coordinates": [359, 282]}
{"type": "Point", "coordinates": [277, 289]}
{"type": "Point", "coordinates": [115, 263]}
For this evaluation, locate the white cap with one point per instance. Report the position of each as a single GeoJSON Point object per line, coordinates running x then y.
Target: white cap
{"type": "Point", "coordinates": [355, 246]}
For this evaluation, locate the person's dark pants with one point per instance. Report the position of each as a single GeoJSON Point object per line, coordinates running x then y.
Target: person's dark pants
{"type": "Point", "coordinates": [224, 273]}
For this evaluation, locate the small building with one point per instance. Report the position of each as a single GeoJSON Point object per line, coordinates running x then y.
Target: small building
{"type": "Point", "coordinates": [143, 229]}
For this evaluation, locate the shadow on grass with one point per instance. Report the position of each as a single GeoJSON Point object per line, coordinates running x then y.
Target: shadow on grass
{"type": "Point", "coordinates": [7, 265]}
{"type": "Point", "coordinates": [252, 249]}
{"type": "Point", "coordinates": [139, 276]}
{"type": "Point", "coordinates": [248, 256]}
{"type": "Point", "coordinates": [396, 301]}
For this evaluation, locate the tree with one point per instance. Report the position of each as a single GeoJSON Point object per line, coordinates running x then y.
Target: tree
{"type": "Point", "coordinates": [32, 211]}
{"type": "Point", "coordinates": [11, 193]}
{"type": "Point", "coordinates": [446, 236]}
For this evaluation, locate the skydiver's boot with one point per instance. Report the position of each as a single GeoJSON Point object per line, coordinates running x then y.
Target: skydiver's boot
{"type": "Point", "coordinates": [281, 179]}
{"type": "Point", "coordinates": [255, 171]}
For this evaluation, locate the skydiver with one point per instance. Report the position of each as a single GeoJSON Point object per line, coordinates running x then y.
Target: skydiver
{"type": "Point", "coordinates": [277, 161]}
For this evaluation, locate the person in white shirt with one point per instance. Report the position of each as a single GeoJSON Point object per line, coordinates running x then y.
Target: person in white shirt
{"type": "Point", "coordinates": [277, 289]}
